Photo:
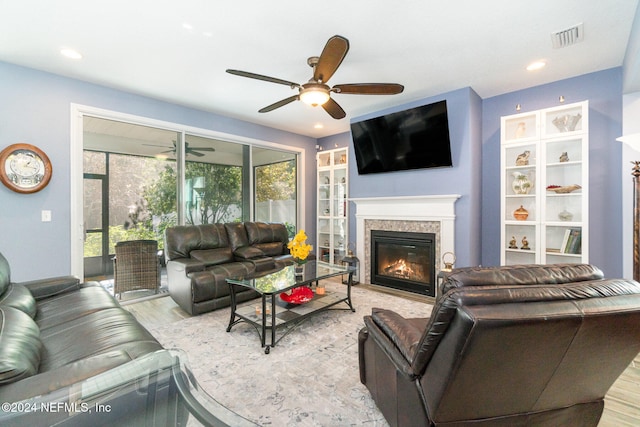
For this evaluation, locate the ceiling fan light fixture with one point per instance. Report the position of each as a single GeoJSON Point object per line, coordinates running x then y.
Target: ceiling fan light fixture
{"type": "Point", "coordinates": [314, 95]}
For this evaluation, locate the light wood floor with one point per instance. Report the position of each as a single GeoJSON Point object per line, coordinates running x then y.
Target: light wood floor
{"type": "Point", "coordinates": [622, 403]}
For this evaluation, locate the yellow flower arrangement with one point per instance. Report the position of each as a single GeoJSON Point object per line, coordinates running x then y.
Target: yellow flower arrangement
{"type": "Point", "coordinates": [298, 248]}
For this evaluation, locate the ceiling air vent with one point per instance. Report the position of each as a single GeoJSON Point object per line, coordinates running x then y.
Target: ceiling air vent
{"type": "Point", "coordinates": [568, 37]}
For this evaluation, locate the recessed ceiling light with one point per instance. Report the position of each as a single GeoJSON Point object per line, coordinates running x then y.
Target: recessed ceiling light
{"type": "Point", "coordinates": [71, 53]}
{"type": "Point", "coordinates": [187, 26]}
{"type": "Point", "coordinates": [318, 126]}
{"type": "Point", "coordinates": [536, 65]}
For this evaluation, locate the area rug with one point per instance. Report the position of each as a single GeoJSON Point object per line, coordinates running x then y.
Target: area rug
{"type": "Point", "coordinates": [310, 378]}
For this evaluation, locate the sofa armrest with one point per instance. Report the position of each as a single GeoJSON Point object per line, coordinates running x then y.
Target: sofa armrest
{"type": "Point", "coordinates": [45, 288]}
{"type": "Point", "coordinates": [248, 252]}
{"type": "Point", "coordinates": [388, 347]}
{"type": "Point", "coordinates": [186, 265]}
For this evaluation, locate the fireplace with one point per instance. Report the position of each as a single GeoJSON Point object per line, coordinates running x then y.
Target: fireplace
{"type": "Point", "coordinates": [404, 260]}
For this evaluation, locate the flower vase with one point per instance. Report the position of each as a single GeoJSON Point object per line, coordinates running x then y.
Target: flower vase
{"type": "Point", "coordinates": [299, 270]}
{"type": "Point", "coordinates": [521, 183]}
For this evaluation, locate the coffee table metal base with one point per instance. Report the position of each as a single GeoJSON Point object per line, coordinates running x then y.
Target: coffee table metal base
{"type": "Point", "coordinates": [275, 313]}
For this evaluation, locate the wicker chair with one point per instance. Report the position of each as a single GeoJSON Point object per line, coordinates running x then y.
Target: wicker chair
{"type": "Point", "coordinates": [136, 266]}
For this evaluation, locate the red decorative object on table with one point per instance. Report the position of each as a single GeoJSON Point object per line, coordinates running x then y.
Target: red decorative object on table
{"type": "Point", "coordinates": [298, 295]}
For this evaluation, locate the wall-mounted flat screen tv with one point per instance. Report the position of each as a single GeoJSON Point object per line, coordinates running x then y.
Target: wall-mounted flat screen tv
{"type": "Point", "coordinates": [412, 139]}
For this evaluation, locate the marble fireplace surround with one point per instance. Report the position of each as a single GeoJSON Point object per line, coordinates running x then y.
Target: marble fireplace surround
{"type": "Point", "coordinates": [427, 214]}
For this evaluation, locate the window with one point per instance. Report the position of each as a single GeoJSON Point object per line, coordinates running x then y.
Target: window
{"type": "Point", "coordinates": [135, 185]}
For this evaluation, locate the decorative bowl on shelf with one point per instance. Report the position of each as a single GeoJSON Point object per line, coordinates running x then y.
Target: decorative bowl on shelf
{"type": "Point", "coordinates": [558, 189]}
{"type": "Point", "coordinates": [298, 295]}
{"type": "Point", "coordinates": [565, 215]}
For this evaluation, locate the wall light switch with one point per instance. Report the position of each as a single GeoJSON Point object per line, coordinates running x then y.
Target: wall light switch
{"type": "Point", "coordinates": [46, 216]}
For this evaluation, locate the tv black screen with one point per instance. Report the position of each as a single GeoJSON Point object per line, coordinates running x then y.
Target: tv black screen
{"type": "Point", "coordinates": [412, 139]}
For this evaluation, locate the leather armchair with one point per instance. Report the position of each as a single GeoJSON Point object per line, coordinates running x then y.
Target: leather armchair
{"type": "Point", "coordinates": [504, 346]}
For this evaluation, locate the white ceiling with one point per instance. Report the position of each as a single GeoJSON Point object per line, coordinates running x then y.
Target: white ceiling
{"type": "Point", "coordinates": [178, 51]}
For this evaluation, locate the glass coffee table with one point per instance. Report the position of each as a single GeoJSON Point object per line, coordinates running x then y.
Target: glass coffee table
{"type": "Point", "coordinates": [273, 313]}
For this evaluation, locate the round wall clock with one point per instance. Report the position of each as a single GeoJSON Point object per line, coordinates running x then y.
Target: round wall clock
{"type": "Point", "coordinates": [24, 168]}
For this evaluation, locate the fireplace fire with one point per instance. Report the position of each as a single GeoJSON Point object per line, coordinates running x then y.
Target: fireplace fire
{"type": "Point", "coordinates": [403, 260]}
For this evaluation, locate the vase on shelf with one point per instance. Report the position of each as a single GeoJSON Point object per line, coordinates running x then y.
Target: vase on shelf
{"type": "Point", "coordinates": [521, 214]}
{"type": "Point", "coordinates": [521, 183]}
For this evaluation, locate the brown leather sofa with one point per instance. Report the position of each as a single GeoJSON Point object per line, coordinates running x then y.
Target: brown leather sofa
{"type": "Point", "coordinates": [504, 346]}
{"type": "Point", "coordinates": [201, 257]}
{"type": "Point", "coordinates": [70, 355]}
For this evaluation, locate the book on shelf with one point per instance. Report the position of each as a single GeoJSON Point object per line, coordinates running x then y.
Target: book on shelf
{"type": "Point", "coordinates": [565, 239]}
{"type": "Point", "coordinates": [572, 242]}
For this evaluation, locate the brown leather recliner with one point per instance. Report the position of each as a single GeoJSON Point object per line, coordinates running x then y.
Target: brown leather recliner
{"type": "Point", "coordinates": [504, 346]}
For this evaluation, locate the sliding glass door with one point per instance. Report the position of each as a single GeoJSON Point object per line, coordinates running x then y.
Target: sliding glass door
{"type": "Point", "coordinates": [138, 180]}
{"type": "Point", "coordinates": [275, 184]}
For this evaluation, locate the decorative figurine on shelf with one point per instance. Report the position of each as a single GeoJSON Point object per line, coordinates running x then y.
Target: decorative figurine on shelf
{"type": "Point", "coordinates": [567, 122]}
{"type": "Point", "coordinates": [564, 157]}
{"type": "Point", "coordinates": [521, 130]}
{"type": "Point", "coordinates": [525, 244]}
{"type": "Point", "coordinates": [523, 159]}
{"type": "Point", "coordinates": [512, 243]}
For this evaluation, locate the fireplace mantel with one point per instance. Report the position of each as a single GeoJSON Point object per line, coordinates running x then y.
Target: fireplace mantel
{"type": "Point", "coordinates": [438, 208]}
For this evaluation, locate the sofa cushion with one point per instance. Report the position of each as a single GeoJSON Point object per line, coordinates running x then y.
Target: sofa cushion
{"type": "Point", "coordinates": [97, 332]}
{"type": "Point", "coordinates": [271, 249]}
{"type": "Point", "coordinates": [70, 306]}
{"type": "Point", "coordinates": [237, 235]}
{"type": "Point", "coordinates": [18, 296]}
{"type": "Point", "coordinates": [211, 284]}
{"type": "Point", "coordinates": [213, 256]}
{"type": "Point", "coordinates": [20, 345]}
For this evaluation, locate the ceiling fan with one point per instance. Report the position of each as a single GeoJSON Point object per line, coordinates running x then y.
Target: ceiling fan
{"type": "Point", "coordinates": [187, 149]}
{"type": "Point", "coordinates": [316, 91]}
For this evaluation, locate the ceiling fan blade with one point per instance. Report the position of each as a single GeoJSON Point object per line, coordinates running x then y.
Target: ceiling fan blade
{"type": "Point", "coordinates": [264, 78]}
{"type": "Point", "coordinates": [334, 109]}
{"type": "Point", "coordinates": [194, 152]}
{"type": "Point", "coordinates": [203, 148]}
{"type": "Point", "coordinates": [369, 88]}
{"type": "Point", "coordinates": [279, 104]}
{"type": "Point", "coordinates": [331, 57]}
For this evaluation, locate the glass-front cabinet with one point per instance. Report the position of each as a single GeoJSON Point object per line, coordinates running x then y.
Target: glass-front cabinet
{"type": "Point", "coordinates": [333, 188]}
{"type": "Point", "coordinates": [544, 186]}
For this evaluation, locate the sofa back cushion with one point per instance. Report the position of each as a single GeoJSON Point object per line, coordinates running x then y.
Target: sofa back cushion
{"type": "Point", "coordinates": [237, 235]}
{"type": "Point", "coordinates": [18, 296]}
{"type": "Point", "coordinates": [517, 275]}
{"type": "Point", "coordinates": [269, 238]}
{"type": "Point", "coordinates": [20, 345]}
{"type": "Point", "coordinates": [180, 241]}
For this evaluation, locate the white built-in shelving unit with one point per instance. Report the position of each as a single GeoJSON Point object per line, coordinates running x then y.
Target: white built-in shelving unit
{"type": "Point", "coordinates": [332, 208]}
{"type": "Point", "coordinates": [544, 216]}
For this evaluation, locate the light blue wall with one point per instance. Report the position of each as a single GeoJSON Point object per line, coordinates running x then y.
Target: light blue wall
{"type": "Point", "coordinates": [464, 178]}
{"type": "Point", "coordinates": [603, 90]}
{"type": "Point", "coordinates": [35, 108]}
